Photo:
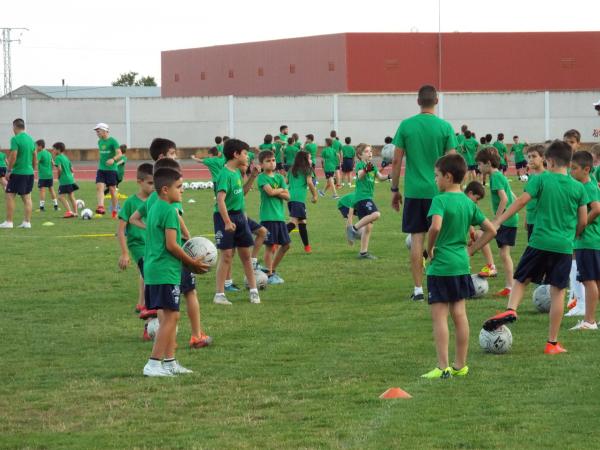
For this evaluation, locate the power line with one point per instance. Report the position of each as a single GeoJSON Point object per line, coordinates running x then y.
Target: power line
{"type": "Point", "coordinates": [6, 41]}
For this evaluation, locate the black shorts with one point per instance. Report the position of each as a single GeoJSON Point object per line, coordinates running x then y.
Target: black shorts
{"type": "Point", "coordinates": [449, 289]}
{"type": "Point", "coordinates": [363, 208]}
{"type": "Point", "coordinates": [473, 167]}
{"type": "Point", "coordinates": [277, 233]}
{"type": "Point", "coordinates": [297, 210]}
{"type": "Point", "coordinates": [347, 165]}
{"type": "Point", "coordinates": [521, 165]}
{"type": "Point", "coordinates": [506, 236]}
{"type": "Point", "coordinates": [503, 167]}
{"type": "Point", "coordinates": [414, 215]}
{"type": "Point", "coordinates": [279, 166]}
{"type": "Point", "coordinates": [67, 188]}
{"type": "Point", "coordinates": [3, 172]}
{"type": "Point", "coordinates": [344, 210]}
{"type": "Point", "coordinates": [544, 267]}
{"type": "Point", "coordinates": [45, 183]}
{"type": "Point", "coordinates": [241, 237]}
{"type": "Point", "coordinates": [254, 226]}
{"type": "Point", "coordinates": [19, 184]}
{"type": "Point", "coordinates": [588, 265]}
{"type": "Point", "coordinates": [140, 266]}
{"type": "Point", "coordinates": [529, 231]}
{"type": "Point", "coordinates": [188, 281]}
{"type": "Point", "coordinates": [329, 174]}
{"type": "Point", "coordinates": [162, 296]}
{"type": "Point", "coordinates": [107, 177]}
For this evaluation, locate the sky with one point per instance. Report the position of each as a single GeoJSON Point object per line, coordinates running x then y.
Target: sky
{"type": "Point", "coordinates": [91, 43]}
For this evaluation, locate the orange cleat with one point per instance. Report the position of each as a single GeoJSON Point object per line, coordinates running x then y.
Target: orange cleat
{"type": "Point", "coordinates": [554, 349]}
{"type": "Point", "coordinates": [69, 215]}
{"type": "Point", "coordinates": [307, 249]}
{"type": "Point", "coordinates": [500, 319]}
{"type": "Point", "coordinates": [114, 214]}
{"type": "Point", "coordinates": [572, 303]}
{"type": "Point", "coordinates": [202, 341]}
{"type": "Point", "coordinates": [503, 293]}
{"type": "Point", "coordinates": [488, 271]}
{"type": "Point", "coordinates": [100, 210]}
{"type": "Point", "coordinates": [148, 313]}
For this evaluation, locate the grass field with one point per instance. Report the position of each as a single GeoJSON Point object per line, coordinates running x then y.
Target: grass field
{"type": "Point", "coordinates": [302, 370]}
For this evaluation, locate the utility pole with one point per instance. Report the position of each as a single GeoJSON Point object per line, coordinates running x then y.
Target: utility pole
{"type": "Point", "coordinates": [6, 41]}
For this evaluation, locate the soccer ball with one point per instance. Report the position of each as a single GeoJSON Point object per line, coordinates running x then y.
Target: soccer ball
{"type": "Point", "coordinates": [152, 328]}
{"type": "Point", "coordinates": [408, 241]}
{"type": "Point", "coordinates": [185, 185]}
{"type": "Point", "coordinates": [498, 341]}
{"type": "Point", "coordinates": [541, 298]}
{"type": "Point", "coordinates": [201, 185]}
{"type": "Point", "coordinates": [200, 247]}
{"type": "Point", "coordinates": [481, 286]}
{"type": "Point", "coordinates": [524, 178]}
{"type": "Point", "coordinates": [209, 185]}
{"type": "Point", "coordinates": [387, 153]}
{"type": "Point", "coordinates": [193, 185]}
{"type": "Point", "coordinates": [87, 214]}
{"type": "Point", "coordinates": [261, 280]}
{"type": "Point", "coordinates": [80, 204]}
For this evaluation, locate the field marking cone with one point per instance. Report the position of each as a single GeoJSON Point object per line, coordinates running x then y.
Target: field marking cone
{"type": "Point", "coordinates": [395, 393]}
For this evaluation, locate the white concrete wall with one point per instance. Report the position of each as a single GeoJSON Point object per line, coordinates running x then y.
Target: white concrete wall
{"type": "Point", "coordinates": [194, 121]}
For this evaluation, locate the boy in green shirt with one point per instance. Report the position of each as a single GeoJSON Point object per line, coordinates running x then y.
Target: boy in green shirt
{"type": "Point", "coordinates": [163, 258]}
{"type": "Point", "coordinates": [106, 176]}
{"type": "Point", "coordinates": [214, 162]}
{"type": "Point", "coordinates": [520, 161]}
{"type": "Point", "coordinates": [502, 152]}
{"type": "Point", "coordinates": [299, 181]}
{"type": "Point", "coordinates": [3, 169]}
{"type": "Point", "coordinates": [273, 191]}
{"type": "Point", "coordinates": [290, 154]}
{"type": "Point", "coordinates": [330, 163]}
{"type": "Point", "coordinates": [561, 216]}
{"type": "Point", "coordinates": [348, 154]}
{"type": "Point", "coordinates": [121, 165]}
{"type": "Point", "coordinates": [449, 280]}
{"type": "Point", "coordinates": [502, 197]}
{"type": "Point", "coordinates": [66, 180]}
{"type": "Point", "coordinates": [470, 146]}
{"type": "Point", "coordinates": [45, 175]}
{"type": "Point", "coordinates": [535, 166]}
{"type": "Point", "coordinates": [311, 147]}
{"type": "Point", "coordinates": [595, 151]}
{"type": "Point", "coordinates": [337, 147]}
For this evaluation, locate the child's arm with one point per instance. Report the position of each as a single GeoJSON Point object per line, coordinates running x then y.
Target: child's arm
{"type": "Point", "coordinates": [185, 233]}
{"type": "Point", "coordinates": [250, 180]}
{"type": "Point", "coordinates": [136, 219]}
{"type": "Point", "coordinates": [517, 205]}
{"type": "Point", "coordinates": [312, 188]}
{"type": "Point", "coordinates": [489, 232]}
{"type": "Point", "coordinates": [272, 192]}
{"type": "Point", "coordinates": [124, 258]}
{"type": "Point", "coordinates": [284, 194]}
{"type": "Point", "coordinates": [395, 175]}
{"type": "Point", "coordinates": [434, 231]}
{"type": "Point", "coordinates": [350, 215]}
{"type": "Point", "coordinates": [195, 265]}
{"type": "Point", "coordinates": [195, 158]}
{"type": "Point", "coordinates": [58, 171]}
{"type": "Point", "coordinates": [34, 161]}
{"type": "Point", "coordinates": [383, 177]}
{"type": "Point", "coordinates": [503, 202]}
{"type": "Point", "coordinates": [229, 225]}
{"type": "Point", "coordinates": [581, 219]}
{"type": "Point", "coordinates": [594, 212]}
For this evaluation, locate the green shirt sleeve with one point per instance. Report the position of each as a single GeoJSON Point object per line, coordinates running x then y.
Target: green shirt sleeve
{"type": "Point", "coordinates": [171, 220]}
{"type": "Point", "coordinates": [478, 216]}
{"type": "Point", "coordinates": [436, 208]}
{"type": "Point", "coordinates": [143, 210]}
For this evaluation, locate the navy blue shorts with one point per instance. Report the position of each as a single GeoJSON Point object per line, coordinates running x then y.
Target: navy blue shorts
{"type": "Point", "coordinates": [588, 265]}
{"type": "Point", "coordinates": [473, 167]}
{"type": "Point", "coordinates": [503, 167]}
{"type": "Point", "coordinates": [543, 267]}
{"type": "Point", "coordinates": [506, 236]}
{"type": "Point", "coordinates": [162, 296]}
{"type": "Point", "coordinates": [529, 231]}
{"type": "Point", "coordinates": [140, 266]}
{"type": "Point", "coordinates": [329, 174]}
{"type": "Point", "coordinates": [19, 184]}
{"type": "Point", "coordinates": [108, 177]}
{"type": "Point", "coordinates": [414, 215]}
{"type": "Point", "coordinates": [254, 226]}
{"type": "Point", "coordinates": [2, 172]}
{"type": "Point", "coordinates": [241, 237]}
{"type": "Point", "coordinates": [45, 183]}
{"type": "Point", "coordinates": [297, 210]}
{"type": "Point", "coordinates": [347, 165]}
{"type": "Point", "coordinates": [449, 289]}
{"type": "Point", "coordinates": [67, 188]}
{"type": "Point", "coordinates": [277, 233]}
{"type": "Point", "coordinates": [344, 210]}
{"type": "Point", "coordinates": [363, 208]}
{"type": "Point", "coordinates": [188, 281]}
{"type": "Point", "coordinates": [521, 165]}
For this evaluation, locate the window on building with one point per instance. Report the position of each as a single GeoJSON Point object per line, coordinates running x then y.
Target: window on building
{"type": "Point", "coordinates": [203, 75]}
{"type": "Point", "coordinates": [261, 72]}
{"type": "Point", "coordinates": [292, 68]}
{"type": "Point", "coordinates": [176, 78]}
{"type": "Point", "coordinates": [230, 73]}
{"type": "Point", "coordinates": [331, 66]}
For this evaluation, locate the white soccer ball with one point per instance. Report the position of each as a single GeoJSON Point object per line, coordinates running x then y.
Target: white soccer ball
{"type": "Point", "coordinates": [152, 328]}
{"type": "Point", "coordinates": [210, 185]}
{"type": "Point", "coordinates": [202, 185]}
{"type": "Point", "coordinates": [87, 214]}
{"type": "Point", "coordinates": [200, 247]}
{"type": "Point", "coordinates": [408, 241]}
{"type": "Point", "coordinates": [481, 285]}
{"type": "Point", "coordinates": [185, 185]}
{"type": "Point", "coordinates": [524, 178]}
{"type": "Point", "coordinates": [387, 153]}
{"type": "Point", "coordinates": [194, 185]}
{"type": "Point", "coordinates": [80, 204]}
{"type": "Point", "coordinates": [542, 298]}
{"type": "Point", "coordinates": [261, 280]}
{"type": "Point", "coordinates": [498, 341]}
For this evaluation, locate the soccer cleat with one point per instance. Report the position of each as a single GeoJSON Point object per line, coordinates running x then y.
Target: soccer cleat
{"type": "Point", "coordinates": [114, 214]}
{"type": "Point", "coordinates": [366, 256]}
{"type": "Point", "coordinates": [460, 372]}
{"type": "Point", "coordinates": [199, 342]}
{"type": "Point", "coordinates": [500, 319]}
{"type": "Point", "coordinates": [254, 298]}
{"type": "Point", "coordinates": [69, 215]}
{"type": "Point", "coordinates": [350, 234]}
{"type": "Point", "coordinates": [275, 279]}
{"type": "Point", "coordinates": [156, 370]}
{"type": "Point", "coordinates": [437, 373]}
{"type": "Point", "coordinates": [139, 308]}
{"type": "Point", "coordinates": [335, 196]}
{"type": "Point", "coordinates": [503, 292]}
{"type": "Point", "coordinates": [307, 249]}
{"type": "Point", "coordinates": [232, 288]}
{"type": "Point", "coordinates": [148, 313]}
{"type": "Point", "coordinates": [583, 325]}
{"type": "Point", "coordinates": [146, 336]}
{"type": "Point", "coordinates": [417, 297]}
{"type": "Point", "coordinates": [554, 349]}
{"type": "Point", "coordinates": [221, 300]}
{"type": "Point", "coordinates": [321, 193]}
{"type": "Point", "coordinates": [175, 368]}
{"type": "Point", "coordinates": [55, 207]}
{"type": "Point", "coordinates": [42, 209]}
{"type": "Point", "coordinates": [100, 210]}
{"type": "Point", "coordinates": [488, 270]}
{"type": "Point", "coordinates": [25, 225]}
{"type": "Point", "coordinates": [572, 303]}
{"type": "Point", "coordinates": [6, 224]}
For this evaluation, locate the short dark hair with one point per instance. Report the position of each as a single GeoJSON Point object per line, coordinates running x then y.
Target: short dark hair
{"type": "Point", "coordinates": [310, 136]}
{"type": "Point", "coordinates": [328, 141]}
{"type": "Point", "coordinates": [515, 137]}
{"type": "Point", "coordinates": [40, 143]}
{"type": "Point", "coordinates": [291, 140]}
{"type": "Point", "coordinates": [218, 140]}
{"type": "Point", "coordinates": [225, 139]}
{"type": "Point", "coordinates": [264, 155]}
{"type": "Point", "coordinates": [584, 159]}
{"type": "Point", "coordinates": [595, 150]}
{"type": "Point", "coordinates": [536, 148]}
{"type": "Point", "coordinates": [348, 139]}
{"type": "Point", "coordinates": [167, 163]}
{"type": "Point", "coordinates": [213, 151]}
{"type": "Point", "coordinates": [332, 134]}
{"type": "Point", "coordinates": [160, 146]}
{"type": "Point", "coordinates": [454, 164]}
{"type": "Point", "coordinates": [60, 146]}
{"type": "Point", "coordinates": [572, 133]}
{"type": "Point", "coordinates": [123, 148]}
{"type": "Point", "coordinates": [144, 170]}
{"type": "Point", "coordinates": [276, 138]}
{"type": "Point", "coordinates": [165, 177]}
{"type": "Point", "coordinates": [560, 152]}
{"type": "Point", "coordinates": [282, 127]}
{"type": "Point", "coordinates": [268, 139]}
{"type": "Point", "coordinates": [468, 134]}
{"type": "Point", "coordinates": [488, 155]}
{"type": "Point", "coordinates": [500, 136]}
{"type": "Point", "coordinates": [388, 140]}
{"type": "Point", "coordinates": [482, 140]}
{"type": "Point", "coordinates": [488, 138]}
{"type": "Point", "coordinates": [475, 188]}
{"type": "Point", "coordinates": [233, 146]}
{"type": "Point", "coordinates": [427, 96]}
{"type": "Point", "coordinates": [464, 128]}
{"type": "Point", "coordinates": [19, 124]}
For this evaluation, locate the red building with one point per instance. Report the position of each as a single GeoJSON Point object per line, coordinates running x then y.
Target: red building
{"type": "Point", "coordinates": [387, 62]}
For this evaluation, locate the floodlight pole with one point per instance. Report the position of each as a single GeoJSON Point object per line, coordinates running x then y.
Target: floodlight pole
{"type": "Point", "coordinates": [6, 41]}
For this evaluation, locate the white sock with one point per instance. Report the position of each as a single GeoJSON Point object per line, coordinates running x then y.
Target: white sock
{"type": "Point", "coordinates": [580, 295]}
{"type": "Point", "coordinates": [154, 362]}
{"type": "Point", "coordinates": [228, 282]}
{"type": "Point", "coordinates": [254, 291]}
{"type": "Point", "coordinates": [42, 203]}
{"type": "Point", "coordinates": [55, 201]}
{"type": "Point", "coordinates": [572, 279]}
{"type": "Point", "coordinates": [418, 290]}
{"type": "Point", "coordinates": [254, 262]}
{"type": "Point", "coordinates": [220, 294]}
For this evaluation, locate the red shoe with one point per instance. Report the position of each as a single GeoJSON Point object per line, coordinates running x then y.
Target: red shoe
{"type": "Point", "coordinates": [307, 249]}
{"type": "Point", "coordinates": [146, 336]}
{"type": "Point", "coordinates": [488, 271]}
{"type": "Point", "coordinates": [114, 214]}
{"type": "Point", "coordinates": [69, 215]}
{"type": "Point", "coordinates": [148, 313]}
{"type": "Point", "coordinates": [572, 303]}
{"type": "Point", "coordinates": [500, 319]}
{"type": "Point", "coordinates": [139, 308]}
{"type": "Point", "coordinates": [503, 293]}
{"type": "Point", "coordinates": [100, 210]}
{"type": "Point", "coordinates": [202, 341]}
{"type": "Point", "coordinates": [554, 349]}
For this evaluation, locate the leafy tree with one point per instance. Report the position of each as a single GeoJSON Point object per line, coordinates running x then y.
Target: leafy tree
{"type": "Point", "coordinates": [130, 79]}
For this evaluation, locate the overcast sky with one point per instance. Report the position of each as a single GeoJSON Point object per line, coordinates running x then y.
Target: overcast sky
{"type": "Point", "coordinates": [91, 43]}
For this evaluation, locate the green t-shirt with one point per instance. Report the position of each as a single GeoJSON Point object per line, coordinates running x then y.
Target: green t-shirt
{"type": "Point", "coordinates": [470, 145]}
{"type": "Point", "coordinates": [108, 149]}
{"type": "Point", "coordinates": [262, 147]}
{"type": "Point", "coordinates": [559, 197]}
{"type": "Point", "coordinates": [531, 208]}
{"type": "Point", "coordinates": [517, 149]}
{"type": "Point", "coordinates": [348, 151]}
{"type": "Point", "coordinates": [590, 238]}
{"type": "Point", "coordinates": [347, 201]}
{"type": "Point", "coordinates": [2, 159]}
{"type": "Point", "coordinates": [160, 266]}
{"type": "Point", "coordinates": [251, 157]}
{"type": "Point", "coordinates": [498, 182]}
{"type": "Point", "coordinates": [312, 149]}
{"type": "Point", "coordinates": [66, 172]}
{"type": "Point", "coordinates": [144, 207]}
{"type": "Point", "coordinates": [458, 213]}
{"type": "Point", "coordinates": [425, 138]}
{"type": "Point", "coordinates": [298, 187]}
{"type": "Point", "coordinates": [336, 145]}
{"type": "Point", "coordinates": [502, 151]}
{"type": "Point", "coordinates": [330, 159]}
{"type": "Point", "coordinates": [278, 150]}
{"type": "Point", "coordinates": [215, 165]}
{"type": "Point", "coordinates": [597, 174]}
{"type": "Point", "coordinates": [121, 167]}
{"type": "Point", "coordinates": [365, 187]}
{"type": "Point", "coordinates": [290, 154]}
{"type": "Point", "coordinates": [220, 149]}
{"type": "Point", "coordinates": [231, 183]}
{"type": "Point", "coordinates": [271, 208]}
{"type": "Point", "coordinates": [23, 144]}
{"type": "Point", "coordinates": [44, 158]}
{"type": "Point", "coordinates": [136, 237]}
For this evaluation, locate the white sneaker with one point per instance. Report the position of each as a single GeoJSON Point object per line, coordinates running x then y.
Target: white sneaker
{"type": "Point", "coordinates": [221, 300]}
{"type": "Point", "coordinates": [576, 312]}
{"type": "Point", "coordinates": [24, 225]}
{"type": "Point", "coordinates": [175, 368]}
{"type": "Point", "coordinates": [583, 325]}
{"type": "Point", "coordinates": [254, 298]}
{"type": "Point", "coordinates": [155, 369]}
{"type": "Point", "coordinates": [6, 224]}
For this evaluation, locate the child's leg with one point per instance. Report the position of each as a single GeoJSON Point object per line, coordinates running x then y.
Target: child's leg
{"type": "Point", "coordinates": [366, 235]}
{"type": "Point", "coordinates": [461, 322]}
{"type": "Point", "coordinates": [99, 194]}
{"type": "Point", "coordinates": [293, 223]}
{"type": "Point", "coordinates": [42, 196]}
{"type": "Point", "coordinates": [516, 294]}
{"type": "Point", "coordinates": [269, 253]}
{"type": "Point", "coordinates": [439, 317]}
{"type": "Point", "coordinates": [303, 232]}
{"type": "Point", "coordinates": [245, 258]}
{"type": "Point", "coordinates": [279, 255]}
{"type": "Point", "coordinates": [259, 238]}
{"type": "Point", "coordinates": [591, 300]}
{"type": "Point", "coordinates": [73, 202]}
{"type": "Point", "coordinates": [507, 262]}
{"type": "Point", "coordinates": [223, 269]}
{"type": "Point", "coordinates": [64, 202]}
{"type": "Point", "coordinates": [113, 197]}
{"type": "Point", "coordinates": [556, 312]}
{"type": "Point", "coordinates": [27, 206]}
{"type": "Point", "coordinates": [141, 301]}
{"type": "Point", "coordinates": [486, 251]}
{"type": "Point", "coordinates": [367, 220]}
{"type": "Point", "coordinates": [52, 194]}
{"type": "Point", "coordinates": [164, 344]}
{"type": "Point", "coordinates": [416, 257]}
{"type": "Point", "coordinates": [328, 184]}
{"type": "Point", "coordinates": [193, 311]}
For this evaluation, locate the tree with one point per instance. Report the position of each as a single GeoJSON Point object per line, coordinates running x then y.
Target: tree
{"type": "Point", "coordinates": [129, 79]}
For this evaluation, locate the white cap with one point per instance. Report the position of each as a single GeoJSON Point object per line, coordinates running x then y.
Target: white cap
{"type": "Point", "coordinates": [596, 104]}
{"type": "Point", "coordinates": [101, 126]}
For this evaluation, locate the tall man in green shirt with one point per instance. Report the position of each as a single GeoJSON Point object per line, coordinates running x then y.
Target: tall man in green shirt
{"type": "Point", "coordinates": [45, 174]}
{"type": "Point", "coordinates": [423, 138]}
{"type": "Point", "coordinates": [22, 161]}
{"type": "Point", "coordinates": [106, 176]}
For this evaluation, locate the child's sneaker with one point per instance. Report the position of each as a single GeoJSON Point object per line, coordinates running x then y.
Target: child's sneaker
{"type": "Point", "coordinates": [6, 224]}
{"type": "Point", "coordinates": [199, 342]}
{"type": "Point", "coordinates": [100, 210]}
{"type": "Point", "coordinates": [69, 215]}
{"type": "Point", "coordinates": [583, 325]}
{"type": "Point", "coordinates": [488, 270]}
{"type": "Point", "coordinates": [114, 214]}
{"type": "Point", "coordinates": [175, 368]}
{"type": "Point", "coordinates": [25, 225]}
{"type": "Point", "coordinates": [148, 313]}
{"type": "Point", "coordinates": [576, 311]}
{"type": "Point", "coordinates": [350, 234]}
{"type": "Point", "coordinates": [275, 279]}
{"type": "Point", "coordinates": [307, 249]}
{"type": "Point", "coordinates": [460, 372]}
{"type": "Point", "coordinates": [139, 308]}
{"type": "Point", "coordinates": [220, 299]}
{"type": "Point", "coordinates": [232, 288]}
{"type": "Point", "coordinates": [366, 255]}
{"type": "Point", "coordinates": [417, 297]}
{"type": "Point", "coordinates": [554, 349]}
{"type": "Point", "coordinates": [42, 209]}
{"type": "Point", "coordinates": [437, 373]}
{"type": "Point", "coordinates": [503, 292]}
{"type": "Point", "coordinates": [55, 207]}
{"type": "Point", "coordinates": [254, 298]}
{"type": "Point", "coordinates": [500, 319]}
{"type": "Point", "coordinates": [155, 369]}
{"type": "Point", "coordinates": [321, 193]}
{"type": "Point", "coordinates": [335, 196]}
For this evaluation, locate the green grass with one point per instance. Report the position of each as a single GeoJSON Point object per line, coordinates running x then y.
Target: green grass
{"type": "Point", "coordinates": [302, 370]}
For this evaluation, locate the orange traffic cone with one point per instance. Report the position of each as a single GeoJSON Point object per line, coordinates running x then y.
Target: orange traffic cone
{"type": "Point", "coordinates": [395, 393]}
